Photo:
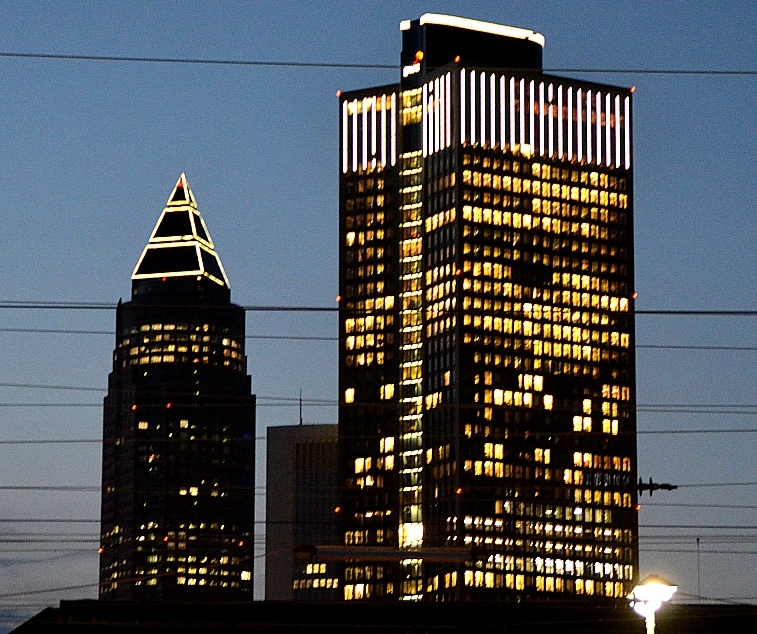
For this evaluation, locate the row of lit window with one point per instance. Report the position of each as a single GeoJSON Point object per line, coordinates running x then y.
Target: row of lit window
{"type": "Point", "coordinates": [364, 254]}
{"type": "Point", "coordinates": [369, 340]}
{"type": "Point", "coordinates": [480, 579]}
{"type": "Point", "coordinates": [540, 529]}
{"type": "Point", "coordinates": [364, 220]}
{"type": "Point", "coordinates": [517, 185]}
{"type": "Point", "coordinates": [358, 591]}
{"type": "Point", "coordinates": [362, 185]}
{"type": "Point", "coordinates": [363, 359]}
{"type": "Point", "coordinates": [171, 348]}
{"type": "Point", "coordinates": [364, 202]}
{"type": "Point", "coordinates": [558, 565]}
{"type": "Point", "coordinates": [307, 584]}
{"type": "Point", "coordinates": [363, 465]}
{"type": "Point", "coordinates": [545, 171]}
{"type": "Point", "coordinates": [361, 290]}
{"type": "Point", "coordinates": [363, 237]}
{"type": "Point", "coordinates": [439, 219]}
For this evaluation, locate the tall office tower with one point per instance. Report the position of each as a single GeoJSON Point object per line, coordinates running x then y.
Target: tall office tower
{"type": "Point", "coordinates": [302, 484]}
{"type": "Point", "coordinates": [179, 426]}
{"type": "Point", "coordinates": [487, 371]}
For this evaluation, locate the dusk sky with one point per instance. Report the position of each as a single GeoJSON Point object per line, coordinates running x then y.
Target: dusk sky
{"type": "Point", "coordinates": [90, 151]}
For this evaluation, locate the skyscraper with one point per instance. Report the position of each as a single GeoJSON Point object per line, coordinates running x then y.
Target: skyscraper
{"type": "Point", "coordinates": [179, 426]}
{"type": "Point", "coordinates": [487, 372]}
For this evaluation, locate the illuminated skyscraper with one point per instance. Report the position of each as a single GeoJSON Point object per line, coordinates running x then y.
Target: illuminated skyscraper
{"type": "Point", "coordinates": [179, 426]}
{"type": "Point", "coordinates": [487, 372]}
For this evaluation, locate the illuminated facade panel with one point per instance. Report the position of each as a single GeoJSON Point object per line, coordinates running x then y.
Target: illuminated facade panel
{"type": "Point", "coordinates": [487, 371]}
{"type": "Point", "coordinates": [177, 517]}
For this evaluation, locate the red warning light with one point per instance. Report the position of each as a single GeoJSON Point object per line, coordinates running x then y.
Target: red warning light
{"type": "Point", "coordinates": [338, 509]}
{"type": "Point", "coordinates": [635, 295]}
{"type": "Point", "coordinates": [168, 405]}
{"type": "Point", "coordinates": [457, 59]}
{"type": "Point", "coordinates": [633, 89]}
{"type": "Point", "coordinates": [241, 543]}
{"type": "Point", "coordinates": [101, 550]}
{"type": "Point", "coordinates": [459, 490]}
{"type": "Point", "coordinates": [638, 507]}
{"type": "Point", "coordinates": [133, 408]}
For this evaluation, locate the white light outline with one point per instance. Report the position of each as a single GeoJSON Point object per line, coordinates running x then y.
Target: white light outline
{"type": "Point", "coordinates": [493, 109]}
{"type": "Point", "coordinates": [482, 89]}
{"type": "Point", "coordinates": [560, 147]}
{"type": "Point", "coordinates": [345, 138]}
{"type": "Point", "coordinates": [579, 125]}
{"type": "Point", "coordinates": [570, 123]}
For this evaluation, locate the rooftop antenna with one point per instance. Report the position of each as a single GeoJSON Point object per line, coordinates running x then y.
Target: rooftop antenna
{"type": "Point", "coordinates": [300, 406]}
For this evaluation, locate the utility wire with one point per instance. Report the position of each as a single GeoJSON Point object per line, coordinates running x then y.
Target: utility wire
{"type": "Point", "coordinates": [46, 305]}
{"type": "Point", "coordinates": [68, 331]}
{"type": "Point", "coordinates": [345, 65]}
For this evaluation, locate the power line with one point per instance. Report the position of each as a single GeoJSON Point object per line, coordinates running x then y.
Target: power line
{"type": "Point", "coordinates": [346, 65]}
{"type": "Point", "coordinates": [71, 331]}
{"type": "Point", "coordinates": [48, 305]}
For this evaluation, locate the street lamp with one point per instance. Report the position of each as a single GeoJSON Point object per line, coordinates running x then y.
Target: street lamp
{"type": "Point", "coordinates": [648, 597]}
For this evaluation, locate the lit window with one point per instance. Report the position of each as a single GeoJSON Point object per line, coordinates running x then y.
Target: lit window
{"type": "Point", "coordinates": [349, 395]}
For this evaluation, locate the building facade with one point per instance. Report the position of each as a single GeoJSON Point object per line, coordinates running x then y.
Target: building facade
{"type": "Point", "coordinates": [487, 371]}
{"type": "Point", "coordinates": [302, 488]}
{"type": "Point", "coordinates": [177, 517]}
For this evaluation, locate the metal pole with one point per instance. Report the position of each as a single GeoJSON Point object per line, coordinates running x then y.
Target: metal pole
{"type": "Point", "coordinates": [699, 577]}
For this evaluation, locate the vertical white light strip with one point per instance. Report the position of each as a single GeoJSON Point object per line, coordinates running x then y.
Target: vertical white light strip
{"type": "Point", "coordinates": [617, 130]}
{"type": "Point", "coordinates": [541, 118]}
{"type": "Point", "coordinates": [482, 105]}
{"type": "Point", "coordinates": [559, 123]}
{"type": "Point", "coordinates": [393, 115]}
{"type": "Point", "coordinates": [502, 103]}
{"type": "Point", "coordinates": [522, 112]}
{"type": "Point", "coordinates": [579, 125]}
{"type": "Point", "coordinates": [463, 118]}
{"type": "Point", "coordinates": [366, 105]}
{"type": "Point", "coordinates": [551, 119]}
{"type": "Point", "coordinates": [473, 135]}
{"type": "Point", "coordinates": [374, 127]}
{"type": "Point", "coordinates": [448, 115]}
{"type": "Point", "coordinates": [437, 114]}
{"type": "Point", "coordinates": [493, 109]}
{"type": "Point", "coordinates": [627, 130]}
{"type": "Point", "coordinates": [383, 130]}
{"type": "Point", "coordinates": [345, 138]}
{"type": "Point", "coordinates": [355, 143]}
{"type": "Point", "coordinates": [570, 123]}
{"type": "Point", "coordinates": [589, 129]}
{"type": "Point", "coordinates": [599, 127]}
{"type": "Point", "coordinates": [424, 119]}
{"type": "Point", "coordinates": [608, 130]}
{"type": "Point", "coordinates": [512, 113]}
{"type": "Point", "coordinates": [531, 138]}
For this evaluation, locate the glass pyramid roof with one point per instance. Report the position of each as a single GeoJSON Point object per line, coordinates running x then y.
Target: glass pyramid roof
{"type": "Point", "coordinates": [180, 244]}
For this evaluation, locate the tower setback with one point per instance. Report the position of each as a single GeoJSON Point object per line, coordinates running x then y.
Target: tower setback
{"type": "Point", "coordinates": [486, 349]}
{"type": "Point", "coordinates": [177, 519]}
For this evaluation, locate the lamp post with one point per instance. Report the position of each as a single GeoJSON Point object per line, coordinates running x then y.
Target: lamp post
{"type": "Point", "coordinates": [648, 597]}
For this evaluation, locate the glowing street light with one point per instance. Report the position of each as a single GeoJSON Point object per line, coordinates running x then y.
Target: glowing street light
{"type": "Point", "coordinates": [648, 597]}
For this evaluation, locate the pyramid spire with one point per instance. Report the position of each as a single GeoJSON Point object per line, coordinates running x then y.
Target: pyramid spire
{"type": "Point", "coordinates": [180, 244]}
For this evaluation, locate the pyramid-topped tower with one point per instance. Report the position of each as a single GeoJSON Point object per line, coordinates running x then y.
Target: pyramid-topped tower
{"type": "Point", "coordinates": [178, 426]}
{"type": "Point", "coordinates": [180, 244]}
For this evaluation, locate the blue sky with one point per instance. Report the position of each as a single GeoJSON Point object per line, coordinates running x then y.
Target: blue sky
{"type": "Point", "coordinates": [89, 152]}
